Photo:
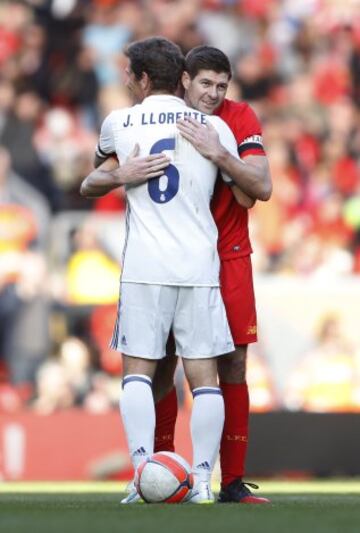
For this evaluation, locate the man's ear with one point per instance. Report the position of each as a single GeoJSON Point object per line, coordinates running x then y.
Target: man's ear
{"type": "Point", "coordinates": [185, 80]}
{"type": "Point", "coordinates": [145, 82]}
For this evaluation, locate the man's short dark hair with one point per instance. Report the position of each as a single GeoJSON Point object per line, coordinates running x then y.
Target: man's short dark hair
{"type": "Point", "coordinates": [161, 59]}
{"type": "Point", "coordinates": [206, 58]}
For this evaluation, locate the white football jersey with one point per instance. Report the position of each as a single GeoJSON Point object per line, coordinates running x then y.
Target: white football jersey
{"type": "Point", "coordinates": [171, 235]}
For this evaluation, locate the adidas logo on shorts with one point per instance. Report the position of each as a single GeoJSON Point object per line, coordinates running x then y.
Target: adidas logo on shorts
{"type": "Point", "coordinates": [123, 340]}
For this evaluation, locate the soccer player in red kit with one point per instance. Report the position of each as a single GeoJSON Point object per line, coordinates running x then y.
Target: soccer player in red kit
{"type": "Point", "coordinates": [206, 79]}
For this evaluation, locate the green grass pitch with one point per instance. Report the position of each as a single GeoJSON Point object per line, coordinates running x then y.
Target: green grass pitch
{"type": "Point", "coordinates": [316, 507]}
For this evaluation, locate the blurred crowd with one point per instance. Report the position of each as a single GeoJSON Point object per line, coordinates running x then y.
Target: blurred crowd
{"type": "Point", "coordinates": [297, 62]}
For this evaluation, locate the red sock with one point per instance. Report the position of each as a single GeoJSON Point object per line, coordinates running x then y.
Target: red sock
{"type": "Point", "coordinates": [166, 413]}
{"type": "Point", "coordinates": [235, 434]}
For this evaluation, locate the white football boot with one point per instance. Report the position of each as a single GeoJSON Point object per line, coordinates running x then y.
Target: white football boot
{"type": "Point", "coordinates": [201, 493]}
{"type": "Point", "coordinates": [133, 495]}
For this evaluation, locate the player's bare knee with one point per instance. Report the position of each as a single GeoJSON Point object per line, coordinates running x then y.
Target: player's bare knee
{"type": "Point", "coordinates": [163, 380]}
{"type": "Point", "coordinates": [232, 367]}
{"type": "Point", "coordinates": [137, 365]}
{"type": "Point", "coordinates": [201, 372]}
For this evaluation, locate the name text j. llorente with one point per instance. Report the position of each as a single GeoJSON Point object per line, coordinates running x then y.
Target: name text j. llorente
{"type": "Point", "coordinates": [163, 118]}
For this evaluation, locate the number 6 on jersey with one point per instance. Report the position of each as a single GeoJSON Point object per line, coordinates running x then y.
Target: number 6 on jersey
{"type": "Point", "coordinates": [164, 188]}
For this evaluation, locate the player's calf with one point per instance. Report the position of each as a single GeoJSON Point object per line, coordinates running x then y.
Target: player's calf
{"type": "Point", "coordinates": [207, 420]}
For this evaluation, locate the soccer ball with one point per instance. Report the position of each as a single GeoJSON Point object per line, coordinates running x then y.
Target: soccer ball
{"type": "Point", "coordinates": [165, 477]}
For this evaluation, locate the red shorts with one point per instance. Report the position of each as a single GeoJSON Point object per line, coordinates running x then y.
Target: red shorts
{"type": "Point", "coordinates": [237, 290]}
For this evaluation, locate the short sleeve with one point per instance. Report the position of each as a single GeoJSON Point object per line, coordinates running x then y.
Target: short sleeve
{"type": "Point", "coordinates": [247, 129]}
{"type": "Point", "coordinates": [106, 144]}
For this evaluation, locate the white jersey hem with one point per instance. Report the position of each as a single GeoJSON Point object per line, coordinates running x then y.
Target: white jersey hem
{"type": "Point", "coordinates": [170, 283]}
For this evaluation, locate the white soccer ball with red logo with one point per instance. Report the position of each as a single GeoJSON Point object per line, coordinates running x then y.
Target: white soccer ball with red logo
{"type": "Point", "coordinates": [165, 477]}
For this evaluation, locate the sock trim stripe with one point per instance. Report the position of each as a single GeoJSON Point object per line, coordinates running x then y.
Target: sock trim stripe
{"type": "Point", "coordinates": [130, 379]}
{"type": "Point", "coordinates": [206, 390]}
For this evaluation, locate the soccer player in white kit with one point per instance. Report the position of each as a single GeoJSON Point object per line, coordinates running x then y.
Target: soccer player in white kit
{"type": "Point", "coordinates": [170, 267]}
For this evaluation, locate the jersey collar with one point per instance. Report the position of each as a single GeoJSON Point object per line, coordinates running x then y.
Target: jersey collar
{"type": "Point", "coordinates": [163, 98]}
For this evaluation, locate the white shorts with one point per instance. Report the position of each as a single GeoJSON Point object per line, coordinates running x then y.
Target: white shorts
{"type": "Point", "coordinates": [147, 314]}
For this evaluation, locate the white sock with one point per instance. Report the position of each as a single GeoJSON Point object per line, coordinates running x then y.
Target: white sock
{"type": "Point", "coordinates": [138, 414]}
{"type": "Point", "coordinates": [207, 421]}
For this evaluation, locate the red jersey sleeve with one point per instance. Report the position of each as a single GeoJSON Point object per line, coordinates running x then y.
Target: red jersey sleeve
{"type": "Point", "coordinates": [245, 126]}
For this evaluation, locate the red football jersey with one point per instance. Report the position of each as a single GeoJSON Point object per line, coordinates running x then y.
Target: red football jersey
{"type": "Point", "coordinates": [232, 219]}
